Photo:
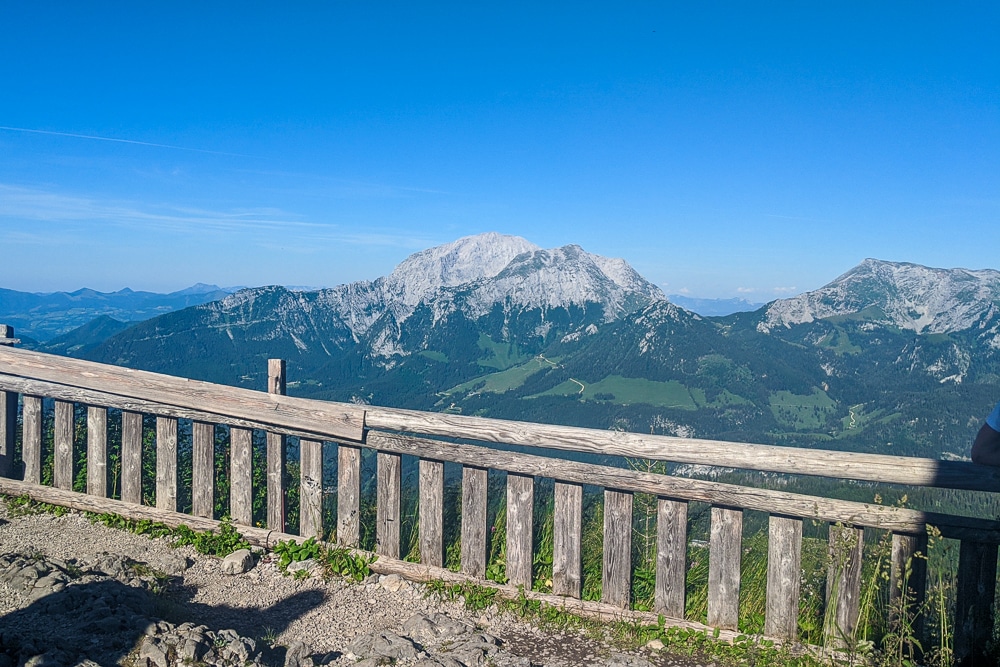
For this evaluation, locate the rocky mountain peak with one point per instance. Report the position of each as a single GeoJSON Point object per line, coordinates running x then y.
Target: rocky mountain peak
{"type": "Point", "coordinates": [905, 295]}
{"type": "Point", "coordinates": [466, 260]}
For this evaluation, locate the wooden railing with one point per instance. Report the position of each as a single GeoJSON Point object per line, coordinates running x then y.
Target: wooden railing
{"type": "Point", "coordinates": [26, 378]}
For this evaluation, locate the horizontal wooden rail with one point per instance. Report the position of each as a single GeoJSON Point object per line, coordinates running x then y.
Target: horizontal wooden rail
{"type": "Point", "coordinates": [906, 470]}
{"type": "Point", "coordinates": [265, 421]}
{"type": "Point", "coordinates": [896, 519]}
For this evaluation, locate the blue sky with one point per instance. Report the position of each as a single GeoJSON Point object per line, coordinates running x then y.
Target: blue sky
{"type": "Point", "coordinates": [724, 149]}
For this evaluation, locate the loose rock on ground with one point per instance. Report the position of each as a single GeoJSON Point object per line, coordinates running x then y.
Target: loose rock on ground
{"type": "Point", "coordinates": [75, 593]}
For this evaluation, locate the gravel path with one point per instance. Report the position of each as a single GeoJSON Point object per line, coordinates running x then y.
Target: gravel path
{"type": "Point", "coordinates": [76, 593]}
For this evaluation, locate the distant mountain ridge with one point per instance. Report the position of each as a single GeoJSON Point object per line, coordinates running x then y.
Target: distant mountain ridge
{"type": "Point", "coordinates": [43, 316]}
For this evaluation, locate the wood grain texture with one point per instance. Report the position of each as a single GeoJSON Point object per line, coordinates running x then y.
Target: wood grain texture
{"type": "Point", "coordinates": [132, 457]}
{"type": "Point", "coordinates": [8, 431]}
{"type": "Point", "coordinates": [311, 488]}
{"type": "Point", "coordinates": [784, 559]}
{"type": "Point", "coordinates": [62, 464]}
{"type": "Point", "coordinates": [31, 439]}
{"type": "Point", "coordinates": [323, 418]}
{"type": "Point", "coordinates": [897, 519]}
{"type": "Point", "coordinates": [908, 574]}
{"type": "Point", "coordinates": [92, 397]}
{"type": "Point", "coordinates": [725, 556]}
{"type": "Point", "coordinates": [166, 463]}
{"type": "Point", "coordinates": [277, 448]}
{"type": "Point", "coordinates": [824, 463]}
{"type": "Point", "coordinates": [97, 451]}
{"type": "Point", "coordinates": [566, 538]}
{"type": "Point", "coordinates": [241, 476]}
{"type": "Point", "coordinates": [203, 469]}
{"type": "Point", "coordinates": [843, 586]}
{"type": "Point", "coordinates": [671, 557]}
{"type": "Point", "coordinates": [474, 521]}
{"type": "Point", "coordinates": [976, 590]}
{"type": "Point", "coordinates": [616, 572]}
{"type": "Point", "coordinates": [348, 495]}
{"type": "Point", "coordinates": [387, 525]}
{"type": "Point", "coordinates": [431, 512]}
{"type": "Point", "coordinates": [520, 528]}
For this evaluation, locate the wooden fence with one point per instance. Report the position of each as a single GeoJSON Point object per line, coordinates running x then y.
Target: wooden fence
{"type": "Point", "coordinates": [27, 378]}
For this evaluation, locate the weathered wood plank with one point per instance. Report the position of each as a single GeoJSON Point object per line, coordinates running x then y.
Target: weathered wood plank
{"type": "Point", "coordinates": [97, 451]}
{"type": "Point", "coordinates": [323, 418]}
{"type": "Point", "coordinates": [671, 557]}
{"type": "Point", "coordinates": [62, 464]}
{"type": "Point", "coordinates": [725, 556]}
{"type": "Point", "coordinates": [566, 537]}
{"type": "Point", "coordinates": [389, 467]}
{"type": "Point", "coordinates": [520, 528]}
{"type": "Point", "coordinates": [31, 439]}
{"type": "Point", "coordinates": [277, 447]}
{"type": "Point", "coordinates": [203, 469]}
{"type": "Point", "coordinates": [976, 589]}
{"type": "Point", "coordinates": [843, 586]}
{"type": "Point", "coordinates": [311, 488]}
{"type": "Point", "coordinates": [784, 558]}
{"type": "Point", "coordinates": [474, 521]}
{"type": "Point", "coordinates": [824, 463]}
{"type": "Point", "coordinates": [348, 495]}
{"type": "Point", "coordinates": [431, 512]}
{"type": "Point", "coordinates": [897, 519]}
{"type": "Point", "coordinates": [166, 463]}
{"type": "Point", "coordinates": [241, 476]}
{"type": "Point", "coordinates": [132, 457]}
{"type": "Point", "coordinates": [132, 404]}
{"type": "Point", "coordinates": [413, 571]}
{"type": "Point", "coordinates": [908, 573]}
{"type": "Point", "coordinates": [616, 573]}
{"type": "Point", "coordinates": [8, 431]}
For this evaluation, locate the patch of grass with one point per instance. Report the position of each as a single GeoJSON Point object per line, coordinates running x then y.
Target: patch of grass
{"type": "Point", "coordinates": [500, 356]}
{"type": "Point", "coordinates": [434, 356]}
{"type": "Point", "coordinates": [208, 542]}
{"type": "Point", "coordinates": [802, 411]}
{"type": "Point", "coordinates": [25, 506]}
{"type": "Point", "coordinates": [497, 383]}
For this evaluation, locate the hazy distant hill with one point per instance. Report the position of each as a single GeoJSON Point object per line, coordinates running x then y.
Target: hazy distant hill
{"type": "Point", "coordinates": [45, 316]}
{"type": "Point", "coordinates": [713, 307]}
{"type": "Point", "coordinates": [889, 357]}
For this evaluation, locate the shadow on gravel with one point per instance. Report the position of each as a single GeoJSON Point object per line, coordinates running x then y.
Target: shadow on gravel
{"type": "Point", "coordinates": [103, 621]}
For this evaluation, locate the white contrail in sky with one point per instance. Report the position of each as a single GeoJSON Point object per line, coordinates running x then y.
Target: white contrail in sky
{"type": "Point", "coordinates": [120, 141]}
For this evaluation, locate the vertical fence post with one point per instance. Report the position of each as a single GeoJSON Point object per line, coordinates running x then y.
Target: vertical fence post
{"type": "Point", "coordinates": [784, 558]}
{"type": "Point", "coordinates": [131, 457]}
{"type": "Point", "coordinates": [908, 581]}
{"type": "Point", "coordinates": [520, 521]}
{"type": "Point", "coordinates": [843, 586]}
{"type": "Point", "coordinates": [8, 413]}
{"type": "Point", "coordinates": [348, 495]}
{"type": "Point", "coordinates": [474, 521]}
{"type": "Point", "coordinates": [241, 476]}
{"type": "Point", "coordinates": [387, 504]}
{"type": "Point", "coordinates": [166, 463]}
{"type": "Point", "coordinates": [977, 582]}
{"type": "Point", "coordinates": [616, 575]}
{"type": "Point", "coordinates": [671, 557]}
{"type": "Point", "coordinates": [203, 469]}
{"type": "Point", "coordinates": [566, 540]}
{"type": "Point", "coordinates": [311, 488]}
{"type": "Point", "coordinates": [31, 440]}
{"type": "Point", "coordinates": [276, 448]}
{"type": "Point", "coordinates": [62, 463]}
{"type": "Point", "coordinates": [431, 512]}
{"type": "Point", "coordinates": [724, 558]}
{"type": "Point", "coordinates": [97, 451]}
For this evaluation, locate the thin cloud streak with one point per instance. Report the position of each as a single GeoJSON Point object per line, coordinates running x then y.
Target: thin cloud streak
{"type": "Point", "coordinates": [120, 141]}
{"type": "Point", "coordinates": [266, 224]}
